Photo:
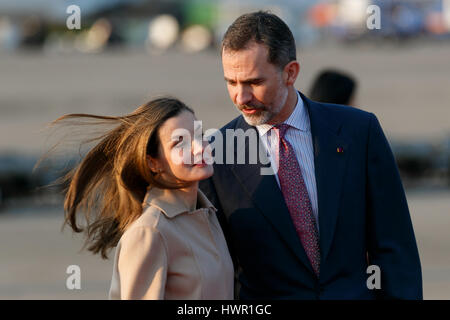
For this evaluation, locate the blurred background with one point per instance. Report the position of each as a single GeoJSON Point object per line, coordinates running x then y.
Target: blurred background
{"type": "Point", "coordinates": [126, 52]}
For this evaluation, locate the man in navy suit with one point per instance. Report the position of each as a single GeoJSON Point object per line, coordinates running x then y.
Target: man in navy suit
{"type": "Point", "coordinates": [335, 204]}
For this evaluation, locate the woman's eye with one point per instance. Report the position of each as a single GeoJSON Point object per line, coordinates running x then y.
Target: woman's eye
{"type": "Point", "coordinates": [179, 141]}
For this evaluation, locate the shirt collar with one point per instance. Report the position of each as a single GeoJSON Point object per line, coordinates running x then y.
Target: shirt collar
{"type": "Point", "coordinates": [169, 201]}
{"type": "Point", "coordinates": [298, 119]}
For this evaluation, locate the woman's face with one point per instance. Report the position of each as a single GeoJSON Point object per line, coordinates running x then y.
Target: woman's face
{"type": "Point", "coordinates": [181, 157]}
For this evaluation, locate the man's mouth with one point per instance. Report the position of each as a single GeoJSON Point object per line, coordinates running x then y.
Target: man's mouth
{"type": "Point", "coordinates": [249, 110]}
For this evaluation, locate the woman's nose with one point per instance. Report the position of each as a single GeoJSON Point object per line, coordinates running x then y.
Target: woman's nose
{"type": "Point", "coordinates": [197, 150]}
{"type": "Point", "coordinates": [207, 153]}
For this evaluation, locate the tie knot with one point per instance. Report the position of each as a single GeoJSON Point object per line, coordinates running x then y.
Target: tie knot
{"type": "Point", "coordinates": [282, 129]}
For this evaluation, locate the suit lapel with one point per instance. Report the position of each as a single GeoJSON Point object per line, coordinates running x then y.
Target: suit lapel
{"type": "Point", "coordinates": [329, 169]}
{"type": "Point", "coordinates": [267, 197]}
{"type": "Point", "coordinates": [329, 165]}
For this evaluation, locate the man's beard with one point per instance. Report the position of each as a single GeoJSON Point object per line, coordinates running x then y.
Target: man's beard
{"type": "Point", "coordinates": [263, 115]}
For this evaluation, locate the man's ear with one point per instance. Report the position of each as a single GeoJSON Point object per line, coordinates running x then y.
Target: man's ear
{"type": "Point", "coordinates": [291, 71]}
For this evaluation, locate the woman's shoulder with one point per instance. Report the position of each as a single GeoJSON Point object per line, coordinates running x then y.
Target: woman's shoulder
{"type": "Point", "coordinates": [150, 227]}
{"type": "Point", "coordinates": [151, 218]}
{"type": "Point", "coordinates": [143, 237]}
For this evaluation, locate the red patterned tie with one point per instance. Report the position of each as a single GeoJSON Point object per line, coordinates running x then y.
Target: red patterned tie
{"type": "Point", "coordinates": [297, 199]}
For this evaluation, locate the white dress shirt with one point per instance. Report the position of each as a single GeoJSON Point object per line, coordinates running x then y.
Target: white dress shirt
{"type": "Point", "coordinates": [300, 138]}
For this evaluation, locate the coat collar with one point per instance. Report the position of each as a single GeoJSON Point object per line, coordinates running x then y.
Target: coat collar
{"type": "Point", "coordinates": [169, 201]}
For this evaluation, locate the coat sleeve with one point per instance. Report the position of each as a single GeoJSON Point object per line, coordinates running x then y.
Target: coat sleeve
{"type": "Point", "coordinates": [391, 241]}
{"type": "Point", "coordinates": [142, 265]}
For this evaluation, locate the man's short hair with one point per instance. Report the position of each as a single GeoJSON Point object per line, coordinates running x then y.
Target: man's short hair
{"type": "Point", "coordinates": [264, 28]}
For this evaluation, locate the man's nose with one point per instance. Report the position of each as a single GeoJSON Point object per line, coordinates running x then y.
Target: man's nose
{"type": "Point", "coordinates": [243, 96]}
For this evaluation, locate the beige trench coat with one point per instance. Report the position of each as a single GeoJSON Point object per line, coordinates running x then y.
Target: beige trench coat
{"type": "Point", "coordinates": [171, 253]}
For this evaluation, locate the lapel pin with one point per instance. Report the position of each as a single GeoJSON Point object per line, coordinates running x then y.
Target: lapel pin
{"type": "Point", "coordinates": [340, 150]}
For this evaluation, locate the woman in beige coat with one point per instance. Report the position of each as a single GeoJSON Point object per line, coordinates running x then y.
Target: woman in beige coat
{"type": "Point", "coordinates": [138, 189]}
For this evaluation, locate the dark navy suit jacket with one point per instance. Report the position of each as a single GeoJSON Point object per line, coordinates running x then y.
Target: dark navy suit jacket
{"type": "Point", "coordinates": [363, 216]}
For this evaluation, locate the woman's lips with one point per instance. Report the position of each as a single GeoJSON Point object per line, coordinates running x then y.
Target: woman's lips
{"type": "Point", "coordinates": [201, 165]}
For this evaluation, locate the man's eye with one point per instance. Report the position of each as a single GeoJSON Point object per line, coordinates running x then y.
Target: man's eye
{"type": "Point", "coordinates": [257, 82]}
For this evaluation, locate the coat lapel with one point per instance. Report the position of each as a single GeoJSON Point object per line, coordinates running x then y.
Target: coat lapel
{"type": "Point", "coordinates": [267, 197]}
{"type": "Point", "coordinates": [329, 165]}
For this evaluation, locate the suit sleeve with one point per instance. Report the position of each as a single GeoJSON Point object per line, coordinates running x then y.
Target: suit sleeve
{"type": "Point", "coordinates": [142, 265]}
{"type": "Point", "coordinates": [391, 241]}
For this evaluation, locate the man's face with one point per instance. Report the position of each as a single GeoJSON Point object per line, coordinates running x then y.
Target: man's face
{"type": "Point", "coordinates": [255, 86]}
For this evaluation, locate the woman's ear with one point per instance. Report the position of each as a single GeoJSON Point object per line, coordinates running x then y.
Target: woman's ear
{"type": "Point", "coordinates": [291, 70]}
{"type": "Point", "coordinates": [154, 165]}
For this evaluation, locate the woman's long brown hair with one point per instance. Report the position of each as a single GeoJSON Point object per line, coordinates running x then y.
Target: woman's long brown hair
{"type": "Point", "coordinates": [109, 184]}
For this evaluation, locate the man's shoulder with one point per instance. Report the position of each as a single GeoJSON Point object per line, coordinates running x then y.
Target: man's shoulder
{"type": "Point", "coordinates": [350, 116]}
{"type": "Point", "coordinates": [344, 112]}
{"type": "Point", "coordinates": [233, 124]}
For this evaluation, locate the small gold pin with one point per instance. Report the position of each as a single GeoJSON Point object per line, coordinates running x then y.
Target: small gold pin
{"type": "Point", "coordinates": [340, 150]}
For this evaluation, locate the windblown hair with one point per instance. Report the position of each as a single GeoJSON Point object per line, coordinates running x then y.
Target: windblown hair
{"type": "Point", "coordinates": [109, 184]}
{"type": "Point", "coordinates": [263, 28]}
